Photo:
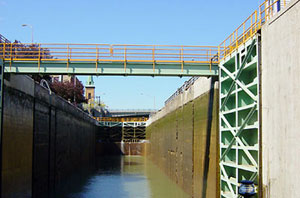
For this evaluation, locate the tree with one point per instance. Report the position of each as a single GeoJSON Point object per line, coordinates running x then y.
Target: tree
{"type": "Point", "coordinates": [18, 50]}
{"type": "Point", "coordinates": [68, 90]}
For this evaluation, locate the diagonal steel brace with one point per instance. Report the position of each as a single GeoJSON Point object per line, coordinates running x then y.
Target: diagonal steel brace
{"type": "Point", "coordinates": [239, 73]}
{"type": "Point", "coordinates": [250, 114]}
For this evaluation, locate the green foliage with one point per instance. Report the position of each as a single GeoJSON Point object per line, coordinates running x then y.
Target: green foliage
{"type": "Point", "coordinates": [69, 91]}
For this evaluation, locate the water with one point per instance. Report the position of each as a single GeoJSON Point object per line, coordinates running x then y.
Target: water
{"type": "Point", "coordinates": [125, 177]}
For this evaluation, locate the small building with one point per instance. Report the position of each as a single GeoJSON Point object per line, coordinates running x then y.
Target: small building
{"type": "Point", "coordinates": [90, 90]}
{"type": "Point", "coordinates": [93, 107]}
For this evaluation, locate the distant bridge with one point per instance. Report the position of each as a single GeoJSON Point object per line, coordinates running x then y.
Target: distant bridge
{"type": "Point", "coordinates": [131, 112]}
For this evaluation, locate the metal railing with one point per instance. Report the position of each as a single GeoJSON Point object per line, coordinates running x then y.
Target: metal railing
{"type": "Point", "coordinates": [132, 110]}
{"type": "Point", "coordinates": [124, 119]}
{"type": "Point", "coordinates": [154, 54]}
{"type": "Point", "coordinates": [240, 35]}
{"type": "Point", "coordinates": [180, 90]}
{"type": "Point", "coordinates": [3, 39]}
{"type": "Point", "coordinates": [250, 26]}
{"type": "Point", "coordinates": [108, 53]}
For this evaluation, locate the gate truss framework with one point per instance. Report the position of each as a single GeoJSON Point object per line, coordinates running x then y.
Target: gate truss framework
{"type": "Point", "coordinates": [131, 131]}
{"type": "Point", "coordinates": [239, 118]}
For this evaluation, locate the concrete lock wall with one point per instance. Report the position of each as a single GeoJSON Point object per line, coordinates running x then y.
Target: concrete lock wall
{"type": "Point", "coordinates": [280, 91]}
{"type": "Point", "coordinates": [184, 139]}
{"type": "Point", "coordinates": [45, 140]}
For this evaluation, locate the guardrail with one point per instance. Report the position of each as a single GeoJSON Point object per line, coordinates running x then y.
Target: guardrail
{"type": "Point", "coordinates": [240, 35]}
{"type": "Point", "coordinates": [132, 110]}
{"type": "Point", "coordinates": [250, 26]}
{"type": "Point", "coordinates": [180, 90]}
{"type": "Point", "coordinates": [118, 119]}
{"type": "Point", "coordinates": [143, 53]}
{"type": "Point", "coordinates": [108, 53]}
{"type": "Point", "coordinates": [3, 39]}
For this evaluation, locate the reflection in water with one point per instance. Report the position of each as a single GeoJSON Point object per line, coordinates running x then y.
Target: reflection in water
{"type": "Point", "coordinates": [126, 177]}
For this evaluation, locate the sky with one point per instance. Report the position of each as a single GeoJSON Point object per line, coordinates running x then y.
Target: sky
{"type": "Point", "coordinates": [162, 22]}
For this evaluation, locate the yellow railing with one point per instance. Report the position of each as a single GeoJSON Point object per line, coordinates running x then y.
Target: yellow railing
{"type": "Point", "coordinates": [108, 53]}
{"type": "Point", "coordinates": [250, 26]}
{"type": "Point", "coordinates": [121, 119]}
{"type": "Point", "coordinates": [152, 54]}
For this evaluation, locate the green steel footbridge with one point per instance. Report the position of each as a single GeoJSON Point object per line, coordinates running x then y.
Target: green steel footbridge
{"type": "Point", "coordinates": [236, 61]}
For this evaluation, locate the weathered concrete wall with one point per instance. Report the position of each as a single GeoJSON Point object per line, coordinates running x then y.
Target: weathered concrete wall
{"type": "Point", "coordinates": [280, 71]}
{"type": "Point", "coordinates": [17, 144]}
{"type": "Point", "coordinates": [200, 86]}
{"type": "Point", "coordinates": [184, 143]}
{"type": "Point", "coordinates": [45, 140]}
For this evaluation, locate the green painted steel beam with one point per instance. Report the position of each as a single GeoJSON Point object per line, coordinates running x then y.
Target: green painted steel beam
{"type": "Point", "coordinates": [249, 116]}
{"type": "Point", "coordinates": [111, 68]}
{"type": "Point", "coordinates": [248, 55]}
{"type": "Point", "coordinates": [239, 118]}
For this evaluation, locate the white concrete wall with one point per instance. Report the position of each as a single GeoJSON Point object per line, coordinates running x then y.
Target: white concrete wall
{"type": "Point", "coordinates": [281, 103]}
{"type": "Point", "coordinates": [200, 86]}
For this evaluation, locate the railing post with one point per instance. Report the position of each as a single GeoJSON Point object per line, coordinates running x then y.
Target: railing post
{"type": "Point", "coordinates": [219, 53]}
{"type": "Point", "coordinates": [236, 39]}
{"type": "Point", "coordinates": [272, 10]}
{"type": "Point", "coordinates": [125, 59]}
{"type": "Point", "coordinates": [153, 58]}
{"type": "Point", "coordinates": [111, 51]}
{"type": "Point", "coordinates": [207, 57]}
{"type": "Point", "coordinates": [244, 29]}
{"type": "Point", "coordinates": [181, 59]}
{"type": "Point", "coordinates": [251, 25]}
{"type": "Point", "coordinates": [68, 48]}
{"type": "Point", "coordinates": [211, 59]}
{"type": "Point", "coordinates": [4, 46]}
{"type": "Point", "coordinates": [10, 56]}
{"type": "Point", "coordinates": [97, 57]}
{"type": "Point", "coordinates": [39, 57]}
{"type": "Point", "coordinates": [255, 19]}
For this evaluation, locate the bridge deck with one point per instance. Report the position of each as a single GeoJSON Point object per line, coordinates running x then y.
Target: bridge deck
{"type": "Point", "coordinates": [101, 59]}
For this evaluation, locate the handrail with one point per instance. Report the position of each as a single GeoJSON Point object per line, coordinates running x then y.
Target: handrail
{"type": "Point", "coordinates": [153, 54]}
{"type": "Point", "coordinates": [187, 84]}
{"type": "Point", "coordinates": [3, 39]}
{"type": "Point", "coordinates": [121, 119]}
{"type": "Point", "coordinates": [250, 26]}
{"type": "Point", "coordinates": [107, 53]}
